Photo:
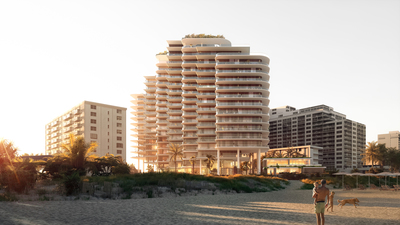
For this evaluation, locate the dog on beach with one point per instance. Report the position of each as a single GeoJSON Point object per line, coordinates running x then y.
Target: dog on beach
{"type": "Point", "coordinates": [330, 201]}
{"type": "Point", "coordinates": [353, 201]}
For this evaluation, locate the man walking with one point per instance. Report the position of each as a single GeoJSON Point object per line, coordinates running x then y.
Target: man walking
{"type": "Point", "coordinates": [323, 193]}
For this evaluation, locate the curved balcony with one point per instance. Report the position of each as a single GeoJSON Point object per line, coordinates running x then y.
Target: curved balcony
{"type": "Point", "coordinates": [244, 63]}
{"type": "Point", "coordinates": [206, 87]}
{"type": "Point", "coordinates": [206, 95]}
{"type": "Point", "coordinates": [174, 112]}
{"type": "Point", "coordinates": [174, 92]}
{"type": "Point", "coordinates": [174, 63]}
{"type": "Point", "coordinates": [229, 112]}
{"type": "Point", "coordinates": [187, 79]}
{"type": "Point", "coordinates": [206, 80]}
{"type": "Point", "coordinates": [205, 72]}
{"type": "Point", "coordinates": [174, 78]}
{"type": "Point", "coordinates": [241, 128]}
{"type": "Point", "coordinates": [201, 118]}
{"type": "Point", "coordinates": [161, 103]}
{"type": "Point", "coordinates": [242, 136]}
{"type": "Point", "coordinates": [206, 102]}
{"type": "Point", "coordinates": [188, 114]}
{"type": "Point", "coordinates": [189, 128]}
{"type": "Point", "coordinates": [189, 93]}
{"type": "Point", "coordinates": [187, 142]}
{"type": "Point", "coordinates": [189, 71]}
{"type": "Point", "coordinates": [189, 122]}
{"type": "Point", "coordinates": [241, 96]}
{"type": "Point", "coordinates": [248, 105]}
{"type": "Point", "coordinates": [174, 70]}
{"type": "Point", "coordinates": [189, 100]}
{"type": "Point", "coordinates": [206, 110]}
{"type": "Point", "coordinates": [150, 96]}
{"type": "Point", "coordinates": [174, 105]}
{"type": "Point", "coordinates": [174, 85]}
{"type": "Point", "coordinates": [162, 115]}
{"type": "Point", "coordinates": [162, 97]}
{"type": "Point", "coordinates": [174, 118]}
{"type": "Point", "coordinates": [189, 107]}
{"type": "Point", "coordinates": [229, 120]}
{"type": "Point", "coordinates": [221, 80]}
{"type": "Point", "coordinates": [206, 140]}
{"type": "Point", "coordinates": [161, 109]}
{"type": "Point", "coordinates": [206, 125]}
{"type": "Point", "coordinates": [174, 125]}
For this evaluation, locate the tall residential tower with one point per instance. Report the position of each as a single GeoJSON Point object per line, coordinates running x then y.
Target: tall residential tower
{"type": "Point", "coordinates": [211, 98]}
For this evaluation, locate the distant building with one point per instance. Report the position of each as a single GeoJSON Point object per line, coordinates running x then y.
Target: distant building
{"type": "Point", "coordinates": [342, 140]}
{"type": "Point", "coordinates": [104, 124]}
{"type": "Point", "coordinates": [303, 159]}
{"type": "Point", "coordinates": [391, 140]}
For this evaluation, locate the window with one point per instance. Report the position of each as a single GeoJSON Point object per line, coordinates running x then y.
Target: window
{"type": "Point", "coordinates": [108, 126]}
{"type": "Point", "coordinates": [108, 119]}
{"type": "Point", "coordinates": [108, 140]}
{"type": "Point", "coordinates": [108, 112]}
{"type": "Point", "coordinates": [119, 138]}
{"type": "Point", "coordinates": [119, 131]}
{"type": "Point", "coordinates": [93, 136]}
{"type": "Point", "coordinates": [119, 124]}
{"type": "Point", "coordinates": [119, 117]}
{"type": "Point", "coordinates": [120, 145]}
{"type": "Point", "coordinates": [108, 133]}
{"type": "Point", "coordinates": [92, 113]}
{"type": "Point", "coordinates": [93, 128]}
{"type": "Point", "coordinates": [108, 147]}
{"type": "Point", "coordinates": [92, 106]}
{"type": "Point", "coordinates": [119, 151]}
{"type": "Point", "coordinates": [93, 121]}
{"type": "Point", "coordinates": [119, 111]}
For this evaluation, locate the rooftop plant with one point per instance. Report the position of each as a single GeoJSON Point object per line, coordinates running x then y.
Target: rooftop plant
{"type": "Point", "coordinates": [203, 36]}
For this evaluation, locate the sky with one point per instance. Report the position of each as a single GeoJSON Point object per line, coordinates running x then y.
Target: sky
{"type": "Point", "coordinates": [55, 54]}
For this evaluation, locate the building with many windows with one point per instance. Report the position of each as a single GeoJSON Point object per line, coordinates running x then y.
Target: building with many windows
{"type": "Point", "coordinates": [104, 124]}
{"type": "Point", "coordinates": [391, 140]}
{"type": "Point", "coordinates": [342, 140]}
{"type": "Point", "coordinates": [209, 97]}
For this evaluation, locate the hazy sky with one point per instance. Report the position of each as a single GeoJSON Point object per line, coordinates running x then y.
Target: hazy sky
{"type": "Point", "coordinates": [55, 54]}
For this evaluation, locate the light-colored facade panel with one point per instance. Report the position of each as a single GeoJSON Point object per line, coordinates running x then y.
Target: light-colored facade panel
{"type": "Point", "coordinates": [391, 140]}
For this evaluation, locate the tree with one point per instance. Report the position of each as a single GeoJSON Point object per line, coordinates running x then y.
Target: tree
{"type": "Point", "coordinates": [192, 161]}
{"type": "Point", "coordinates": [382, 155]}
{"type": "Point", "coordinates": [244, 166]}
{"type": "Point", "coordinates": [8, 152]}
{"type": "Point", "coordinates": [150, 168]}
{"type": "Point", "coordinates": [393, 156]}
{"type": "Point", "coordinates": [371, 153]}
{"type": "Point", "coordinates": [210, 159]}
{"type": "Point", "coordinates": [175, 151]}
{"type": "Point", "coordinates": [78, 151]}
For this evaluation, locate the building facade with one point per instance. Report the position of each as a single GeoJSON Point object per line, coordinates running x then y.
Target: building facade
{"type": "Point", "coordinates": [342, 140]}
{"type": "Point", "coordinates": [298, 159]}
{"type": "Point", "coordinates": [209, 97]}
{"type": "Point", "coordinates": [391, 140]}
{"type": "Point", "coordinates": [104, 124]}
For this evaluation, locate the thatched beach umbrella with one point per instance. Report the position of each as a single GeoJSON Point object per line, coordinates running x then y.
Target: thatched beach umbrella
{"type": "Point", "coordinates": [385, 174]}
{"type": "Point", "coordinates": [397, 177]}
{"type": "Point", "coordinates": [341, 173]}
{"type": "Point", "coordinates": [356, 174]}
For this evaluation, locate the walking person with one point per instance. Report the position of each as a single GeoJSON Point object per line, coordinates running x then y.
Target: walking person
{"type": "Point", "coordinates": [323, 193]}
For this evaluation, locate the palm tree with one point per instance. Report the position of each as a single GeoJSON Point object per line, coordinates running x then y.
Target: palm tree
{"type": "Point", "coordinates": [150, 168]}
{"type": "Point", "coordinates": [244, 166]}
{"type": "Point", "coordinates": [7, 153]}
{"type": "Point", "coordinates": [175, 151]}
{"type": "Point", "coordinates": [382, 157]}
{"type": "Point", "coordinates": [192, 161]}
{"type": "Point", "coordinates": [371, 153]}
{"type": "Point", "coordinates": [209, 161]}
{"type": "Point", "coordinates": [78, 151]}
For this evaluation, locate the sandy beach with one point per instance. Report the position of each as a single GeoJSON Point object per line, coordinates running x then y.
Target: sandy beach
{"type": "Point", "coordinates": [289, 206]}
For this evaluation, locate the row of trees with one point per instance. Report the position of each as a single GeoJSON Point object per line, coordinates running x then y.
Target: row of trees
{"type": "Point", "coordinates": [76, 160]}
{"type": "Point", "coordinates": [378, 154]}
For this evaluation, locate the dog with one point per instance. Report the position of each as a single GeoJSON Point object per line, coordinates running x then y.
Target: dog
{"type": "Point", "coordinates": [330, 201]}
{"type": "Point", "coordinates": [353, 201]}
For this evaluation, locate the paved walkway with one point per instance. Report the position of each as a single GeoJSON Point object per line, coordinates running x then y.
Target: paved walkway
{"type": "Point", "coordinates": [289, 207]}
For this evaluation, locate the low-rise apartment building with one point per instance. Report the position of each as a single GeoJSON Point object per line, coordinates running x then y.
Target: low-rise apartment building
{"type": "Point", "coordinates": [96, 122]}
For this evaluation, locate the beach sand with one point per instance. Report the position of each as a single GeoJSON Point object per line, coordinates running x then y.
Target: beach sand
{"type": "Point", "coordinates": [290, 206]}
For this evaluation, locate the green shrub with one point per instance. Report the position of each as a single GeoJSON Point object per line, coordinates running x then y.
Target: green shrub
{"type": "Point", "coordinates": [122, 168]}
{"type": "Point", "coordinates": [72, 183]}
{"type": "Point", "coordinates": [307, 186]}
{"type": "Point", "coordinates": [9, 197]}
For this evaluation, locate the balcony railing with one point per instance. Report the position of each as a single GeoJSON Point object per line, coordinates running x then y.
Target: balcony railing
{"type": "Point", "coordinates": [241, 103]}
{"type": "Point", "coordinates": [239, 112]}
{"type": "Point", "coordinates": [239, 95]}
{"type": "Point", "coordinates": [240, 87]}
{"type": "Point", "coordinates": [235, 128]}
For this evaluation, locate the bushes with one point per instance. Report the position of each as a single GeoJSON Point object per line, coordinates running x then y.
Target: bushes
{"type": "Point", "coordinates": [72, 183]}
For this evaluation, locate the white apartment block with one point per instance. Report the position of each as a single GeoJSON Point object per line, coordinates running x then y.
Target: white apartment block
{"type": "Point", "coordinates": [391, 140]}
{"type": "Point", "coordinates": [104, 124]}
{"type": "Point", "coordinates": [342, 140]}
{"type": "Point", "coordinates": [211, 98]}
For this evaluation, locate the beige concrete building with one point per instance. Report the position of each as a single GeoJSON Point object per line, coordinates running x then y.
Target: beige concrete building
{"type": "Point", "coordinates": [104, 124]}
{"type": "Point", "coordinates": [211, 98]}
{"type": "Point", "coordinates": [391, 140]}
